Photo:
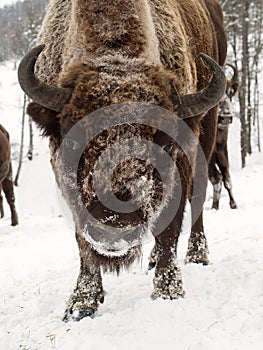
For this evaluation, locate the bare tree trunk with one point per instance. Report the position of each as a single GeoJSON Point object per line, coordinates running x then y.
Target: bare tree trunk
{"type": "Point", "coordinates": [30, 147]}
{"type": "Point", "coordinates": [21, 142]}
{"type": "Point", "coordinates": [255, 66]}
{"type": "Point", "coordinates": [243, 90]}
{"type": "Point", "coordinates": [249, 107]}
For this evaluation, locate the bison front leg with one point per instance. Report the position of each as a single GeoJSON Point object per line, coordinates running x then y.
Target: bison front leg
{"type": "Point", "coordinates": [168, 279]}
{"type": "Point", "coordinates": [224, 168]}
{"type": "Point", "coordinates": [88, 292]}
{"type": "Point", "coordinates": [228, 186]}
{"type": "Point", "coordinates": [8, 188]}
{"type": "Point", "coordinates": [217, 189]}
{"type": "Point", "coordinates": [215, 178]}
{"type": "Point", "coordinates": [197, 244]}
{"type": "Point", "coordinates": [1, 203]}
{"type": "Point", "coordinates": [223, 164]}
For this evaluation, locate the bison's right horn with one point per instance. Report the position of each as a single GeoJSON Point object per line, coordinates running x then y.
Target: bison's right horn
{"type": "Point", "coordinates": [190, 105]}
{"type": "Point", "coordinates": [51, 97]}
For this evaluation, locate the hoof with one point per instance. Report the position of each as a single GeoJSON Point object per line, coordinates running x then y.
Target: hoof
{"type": "Point", "coordinates": [77, 315]}
{"type": "Point", "coordinates": [197, 249]}
{"type": "Point", "coordinates": [168, 283]}
{"type": "Point", "coordinates": [14, 223]}
{"type": "Point", "coordinates": [14, 220]}
{"type": "Point", "coordinates": [195, 259]}
{"type": "Point", "coordinates": [233, 205]}
{"type": "Point", "coordinates": [167, 296]}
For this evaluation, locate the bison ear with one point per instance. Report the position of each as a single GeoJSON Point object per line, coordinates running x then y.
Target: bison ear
{"type": "Point", "coordinates": [46, 119]}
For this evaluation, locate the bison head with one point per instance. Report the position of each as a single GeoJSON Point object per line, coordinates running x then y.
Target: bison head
{"type": "Point", "coordinates": [113, 141]}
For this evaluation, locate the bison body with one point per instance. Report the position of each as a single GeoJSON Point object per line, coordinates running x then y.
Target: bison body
{"type": "Point", "coordinates": [101, 54]}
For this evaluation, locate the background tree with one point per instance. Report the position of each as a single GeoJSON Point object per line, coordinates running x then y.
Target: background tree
{"type": "Point", "coordinates": [19, 25]}
{"type": "Point", "coordinates": [244, 27]}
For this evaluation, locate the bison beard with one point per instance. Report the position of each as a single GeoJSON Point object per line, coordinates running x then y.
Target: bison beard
{"type": "Point", "coordinates": [102, 53]}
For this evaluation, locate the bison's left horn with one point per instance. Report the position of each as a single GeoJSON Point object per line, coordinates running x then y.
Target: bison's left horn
{"type": "Point", "coordinates": [51, 97]}
{"type": "Point", "coordinates": [190, 105]}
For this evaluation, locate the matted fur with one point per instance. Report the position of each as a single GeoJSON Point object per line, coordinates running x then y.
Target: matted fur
{"type": "Point", "coordinates": [53, 33]}
{"type": "Point", "coordinates": [85, 31]}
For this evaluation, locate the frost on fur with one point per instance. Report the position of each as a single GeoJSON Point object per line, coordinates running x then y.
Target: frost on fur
{"type": "Point", "coordinates": [197, 249]}
{"type": "Point", "coordinates": [168, 283]}
{"type": "Point", "coordinates": [86, 296]}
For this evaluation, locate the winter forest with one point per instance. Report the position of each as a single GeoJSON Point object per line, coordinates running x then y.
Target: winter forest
{"type": "Point", "coordinates": [39, 258]}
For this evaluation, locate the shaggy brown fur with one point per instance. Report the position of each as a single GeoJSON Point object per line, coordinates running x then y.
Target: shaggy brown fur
{"type": "Point", "coordinates": [6, 182]}
{"type": "Point", "coordinates": [126, 51]}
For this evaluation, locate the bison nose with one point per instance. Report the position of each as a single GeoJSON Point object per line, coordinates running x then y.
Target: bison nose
{"type": "Point", "coordinates": [115, 219]}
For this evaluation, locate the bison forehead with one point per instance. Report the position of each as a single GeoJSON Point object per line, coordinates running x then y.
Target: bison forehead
{"type": "Point", "coordinates": [97, 87]}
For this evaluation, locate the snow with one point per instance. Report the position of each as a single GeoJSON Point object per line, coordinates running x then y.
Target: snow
{"type": "Point", "coordinates": [223, 305]}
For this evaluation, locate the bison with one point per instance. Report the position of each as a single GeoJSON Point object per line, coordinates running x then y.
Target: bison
{"type": "Point", "coordinates": [123, 59]}
{"type": "Point", "coordinates": [219, 163]}
{"type": "Point", "coordinates": [6, 179]}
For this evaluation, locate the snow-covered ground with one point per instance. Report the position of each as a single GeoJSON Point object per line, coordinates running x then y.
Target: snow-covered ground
{"type": "Point", "coordinates": [223, 305]}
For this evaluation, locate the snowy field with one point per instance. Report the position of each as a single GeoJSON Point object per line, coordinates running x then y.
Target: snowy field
{"type": "Point", "coordinates": [223, 305]}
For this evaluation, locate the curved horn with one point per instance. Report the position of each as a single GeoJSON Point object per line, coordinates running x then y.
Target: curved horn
{"type": "Point", "coordinates": [234, 78]}
{"type": "Point", "coordinates": [51, 97]}
{"type": "Point", "coordinates": [190, 105]}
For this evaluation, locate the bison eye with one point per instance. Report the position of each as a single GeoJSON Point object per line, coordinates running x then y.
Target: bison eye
{"type": "Point", "coordinates": [71, 144]}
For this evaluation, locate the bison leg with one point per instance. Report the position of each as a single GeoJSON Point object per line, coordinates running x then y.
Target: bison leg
{"type": "Point", "coordinates": [223, 164]}
{"type": "Point", "coordinates": [1, 203]}
{"type": "Point", "coordinates": [8, 188]}
{"type": "Point", "coordinates": [197, 245]}
{"type": "Point", "coordinates": [168, 280]}
{"type": "Point", "coordinates": [88, 292]}
{"type": "Point", "coordinates": [153, 258]}
{"type": "Point", "coordinates": [215, 178]}
{"type": "Point", "coordinates": [216, 181]}
{"type": "Point", "coordinates": [228, 186]}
